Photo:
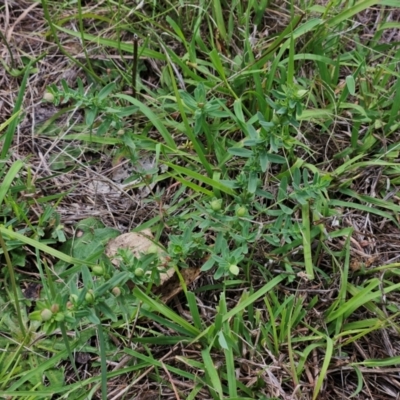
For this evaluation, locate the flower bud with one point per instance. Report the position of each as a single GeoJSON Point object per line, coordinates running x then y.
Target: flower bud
{"type": "Point", "coordinates": [54, 308]}
{"type": "Point", "coordinates": [46, 315]}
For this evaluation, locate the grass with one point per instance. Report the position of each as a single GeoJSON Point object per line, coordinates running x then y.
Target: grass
{"type": "Point", "coordinates": [258, 141]}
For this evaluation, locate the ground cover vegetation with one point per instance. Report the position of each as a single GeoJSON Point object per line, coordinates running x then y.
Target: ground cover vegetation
{"type": "Point", "coordinates": [255, 144]}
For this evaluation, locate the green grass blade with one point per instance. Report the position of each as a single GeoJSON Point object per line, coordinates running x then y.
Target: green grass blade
{"type": "Point", "coordinates": [230, 372]}
{"type": "Point", "coordinates": [212, 373]}
{"type": "Point", "coordinates": [153, 362]}
{"type": "Point", "coordinates": [394, 112]}
{"type": "Point", "coordinates": [9, 135]}
{"type": "Point", "coordinates": [362, 297]}
{"type": "Point", "coordinates": [325, 366]}
{"type": "Point", "coordinates": [219, 18]}
{"type": "Point", "coordinates": [201, 178]}
{"type": "Point", "coordinates": [350, 12]}
{"type": "Point", "coordinates": [194, 311]}
{"type": "Point", "coordinates": [252, 298]}
{"type": "Point", "coordinates": [306, 233]}
{"type": "Point", "coordinates": [8, 179]}
{"type": "Point", "coordinates": [9, 120]}
{"type": "Point", "coordinates": [166, 311]}
{"type": "Point", "coordinates": [360, 381]}
{"type": "Point", "coordinates": [47, 249]}
{"type": "Point", "coordinates": [144, 51]}
{"type": "Point", "coordinates": [169, 140]}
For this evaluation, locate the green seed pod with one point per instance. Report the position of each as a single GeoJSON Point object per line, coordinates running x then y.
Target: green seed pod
{"type": "Point", "coordinates": [234, 269]}
{"type": "Point", "coordinates": [98, 270]}
{"type": "Point", "coordinates": [139, 272]}
{"type": "Point", "coordinates": [216, 205]}
{"type": "Point", "coordinates": [116, 291]}
{"type": "Point", "coordinates": [46, 315]}
{"type": "Point", "coordinates": [241, 211]}
{"type": "Point", "coordinates": [89, 296]}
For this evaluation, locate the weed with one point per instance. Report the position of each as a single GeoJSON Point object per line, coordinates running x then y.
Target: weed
{"type": "Point", "coordinates": [273, 139]}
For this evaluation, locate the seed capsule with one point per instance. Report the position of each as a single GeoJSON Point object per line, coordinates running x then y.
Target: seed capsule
{"type": "Point", "coordinates": [46, 314]}
{"type": "Point", "coordinates": [241, 211]}
{"type": "Point", "coordinates": [216, 205]}
{"type": "Point", "coordinates": [89, 296]}
{"type": "Point", "coordinates": [139, 272]}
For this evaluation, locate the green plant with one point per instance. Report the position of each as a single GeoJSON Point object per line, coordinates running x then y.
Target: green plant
{"type": "Point", "coordinates": [95, 102]}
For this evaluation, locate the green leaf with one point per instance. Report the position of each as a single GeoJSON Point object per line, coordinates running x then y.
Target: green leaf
{"type": "Point", "coordinates": [351, 84]}
{"type": "Point", "coordinates": [18, 107]}
{"type": "Point", "coordinates": [253, 182]}
{"type": "Point", "coordinates": [92, 317]}
{"type": "Point", "coordinates": [106, 311]}
{"type": "Point", "coordinates": [55, 377]}
{"type": "Point", "coordinates": [275, 158]}
{"type": "Point", "coordinates": [90, 115]}
{"type": "Point", "coordinates": [264, 158]}
{"type": "Point", "coordinates": [240, 152]}
{"type": "Point", "coordinates": [222, 341]}
{"type": "Point", "coordinates": [106, 91]}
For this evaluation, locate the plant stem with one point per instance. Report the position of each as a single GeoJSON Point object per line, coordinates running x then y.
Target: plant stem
{"type": "Point", "coordinates": [135, 63]}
